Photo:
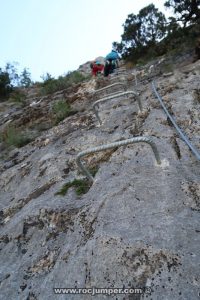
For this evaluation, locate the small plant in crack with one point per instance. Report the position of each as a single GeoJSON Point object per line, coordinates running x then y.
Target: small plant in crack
{"type": "Point", "coordinates": [94, 170]}
{"type": "Point", "coordinates": [62, 110]}
{"type": "Point", "coordinates": [81, 186]}
{"type": "Point", "coordinates": [13, 137]}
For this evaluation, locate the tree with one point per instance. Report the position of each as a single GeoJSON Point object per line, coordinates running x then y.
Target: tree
{"type": "Point", "coordinates": [172, 26]}
{"type": "Point", "coordinates": [152, 24]}
{"type": "Point", "coordinates": [47, 78]}
{"type": "Point", "coordinates": [142, 31]}
{"type": "Point", "coordinates": [25, 78]}
{"type": "Point", "coordinates": [10, 80]}
{"type": "Point", "coordinates": [132, 31]}
{"type": "Point", "coordinates": [11, 69]}
{"type": "Point", "coordinates": [187, 11]}
{"type": "Point", "coordinates": [117, 46]}
{"type": "Point", "coordinates": [5, 84]}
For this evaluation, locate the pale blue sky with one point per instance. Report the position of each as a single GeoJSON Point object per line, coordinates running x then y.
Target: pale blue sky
{"type": "Point", "coordinates": [57, 36]}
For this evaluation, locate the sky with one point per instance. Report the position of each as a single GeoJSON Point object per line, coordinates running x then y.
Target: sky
{"type": "Point", "coordinates": [57, 36]}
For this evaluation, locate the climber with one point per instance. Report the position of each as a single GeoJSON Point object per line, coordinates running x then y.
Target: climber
{"type": "Point", "coordinates": [97, 68]}
{"type": "Point", "coordinates": [111, 62]}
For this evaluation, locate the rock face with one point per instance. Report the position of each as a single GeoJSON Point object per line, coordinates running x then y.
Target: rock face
{"type": "Point", "coordinates": [136, 227]}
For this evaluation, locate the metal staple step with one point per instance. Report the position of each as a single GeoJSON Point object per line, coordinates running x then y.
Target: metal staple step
{"type": "Point", "coordinates": [110, 86]}
{"type": "Point", "coordinates": [136, 95]}
{"type": "Point", "coordinates": [147, 140]}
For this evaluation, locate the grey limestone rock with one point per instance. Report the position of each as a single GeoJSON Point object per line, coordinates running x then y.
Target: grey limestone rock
{"type": "Point", "coordinates": [136, 227]}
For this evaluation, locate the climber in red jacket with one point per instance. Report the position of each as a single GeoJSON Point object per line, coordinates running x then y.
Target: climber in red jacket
{"type": "Point", "coordinates": [96, 67]}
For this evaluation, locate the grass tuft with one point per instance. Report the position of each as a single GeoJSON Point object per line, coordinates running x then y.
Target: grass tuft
{"type": "Point", "coordinates": [13, 137]}
{"type": "Point", "coordinates": [18, 97]}
{"type": "Point", "coordinates": [52, 85]}
{"type": "Point", "coordinates": [81, 186]}
{"type": "Point", "coordinates": [62, 110]}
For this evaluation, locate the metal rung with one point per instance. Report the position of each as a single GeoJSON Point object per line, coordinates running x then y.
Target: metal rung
{"type": "Point", "coordinates": [120, 72]}
{"type": "Point", "coordinates": [122, 69]}
{"type": "Point", "coordinates": [116, 76]}
{"type": "Point", "coordinates": [147, 140]}
{"type": "Point", "coordinates": [136, 81]}
{"type": "Point", "coordinates": [110, 86]}
{"type": "Point", "coordinates": [111, 94]}
{"type": "Point", "coordinates": [115, 93]}
{"type": "Point", "coordinates": [119, 77]}
{"type": "Point", "coordinates": [112, 97]}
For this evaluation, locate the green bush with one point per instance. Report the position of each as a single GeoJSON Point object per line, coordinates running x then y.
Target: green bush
{"type": "Point", "coordinates": [62, 110]}
{"type": "Point", "coordinates": [5, 85]}
{"type": "Point", "coordinates": [167, 68]}
{"type": "Point", "coordinates": [94, 170]}
{"type": "Point", "coordinates": [18, 97]}
{"type": "Point", "coordinates": [13, 137]}
{"type": "Point", "coordinates": [52, 85]}
{"type": "Point", "coordinates": [177, 41]}
{"type": "Point", "coordinates": [25, 78]}
{"type": "Point", "coordinates": [82, 186]}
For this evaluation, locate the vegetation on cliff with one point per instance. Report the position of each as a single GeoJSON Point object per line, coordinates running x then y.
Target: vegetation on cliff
{"type": "Point", "coordinates": [148, 34]}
